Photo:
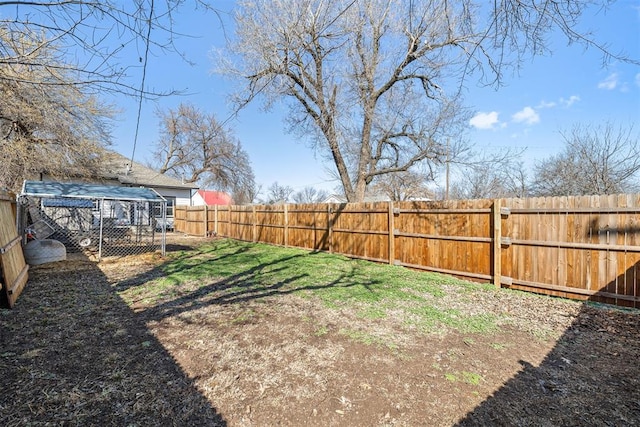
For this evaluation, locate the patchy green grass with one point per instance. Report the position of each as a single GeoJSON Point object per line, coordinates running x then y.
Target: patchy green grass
{"type": "Point", "coordinates": [321, 331]}
{"type": "Point", "coordinates": [226, 271]}
{"type": "Point", "coordinates": [498, 346]}
{"type": "Point", "coordinates": [470, 378]}
{"type": "Point", "coordinates": [367, 338]}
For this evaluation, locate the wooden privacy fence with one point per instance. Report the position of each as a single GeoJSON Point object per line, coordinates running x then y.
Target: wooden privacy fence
{"type": "Point", "coordinates": [13, 269]}
{"type": "Point", "coordinates": [575, 247]}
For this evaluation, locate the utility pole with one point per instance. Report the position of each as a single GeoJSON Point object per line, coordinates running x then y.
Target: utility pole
{"type": "Point", "coordinates": [446, 179]}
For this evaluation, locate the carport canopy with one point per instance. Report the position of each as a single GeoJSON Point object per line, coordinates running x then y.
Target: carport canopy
{"type": "Point", "coordinates": [89, 191]}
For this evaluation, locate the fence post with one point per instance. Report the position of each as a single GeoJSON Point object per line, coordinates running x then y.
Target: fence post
{"type": "Point", "coordinates": [330, 227]}
{"type": "Point", "coordinates": [286, 224]}
{"type": "Point", "coordinates": [392, 239]}
{"type": "Point", "coordinates": [215, 220]}
{"type": "Point", "coordinates": [206, 221]}
{"type": "Point", "coordinates": [497, 244]}
{"type": "Point", "coordinates": [254, 225]}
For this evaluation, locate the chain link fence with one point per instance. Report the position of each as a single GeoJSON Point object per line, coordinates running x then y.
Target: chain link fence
{"type": "Point", "coordinates": [97, 227]}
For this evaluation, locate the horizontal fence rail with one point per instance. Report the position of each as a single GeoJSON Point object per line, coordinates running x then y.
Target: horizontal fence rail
{"type": "Point", "coordinates": [574, 247]}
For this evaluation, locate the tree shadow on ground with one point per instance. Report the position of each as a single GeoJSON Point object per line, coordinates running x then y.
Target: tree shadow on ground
{"type": "Point", "coordinates": [186, 260]}
{"type": "Point", "coordinates": [73, 353]}
{"type": "Point", "coordinates": [240, 288]}
{"type": "Point", "coordinates": [257, 280]}
{"type": "Point", "coordinates": [566, 389]}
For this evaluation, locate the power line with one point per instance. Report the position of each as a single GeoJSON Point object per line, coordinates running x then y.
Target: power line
{"type": "Point", "coordinates": [144, 78]}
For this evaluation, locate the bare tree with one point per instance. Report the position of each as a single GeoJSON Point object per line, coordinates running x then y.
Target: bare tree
{"type": "Point", "coordinates": [246, 193]}
{"type": "Point", "coordinates": [597, 159]}
{"type": "Point", "coordinates": [399, 186]}
{"type": "Point", "coordinates": [195, 147]}
{"type": "Point", "coordinates": [47, 124]}
{"type": "Point", "coordinates": [377, 82]}
{"type": "Point", "coordinates": [516, 180]}
{"type": "Point", "coordinates": [310, 195]}
{"type": "Point", "coordinates": [99, 43]}
{"type": "Point", "coordinates": [490, 176]}
{"type": "Point", "coordinates": [278, 194]}
{"type": "Point", "coordinates": [479, 183]}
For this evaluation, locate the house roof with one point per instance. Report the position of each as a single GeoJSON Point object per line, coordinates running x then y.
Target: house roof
{"type": "Point", "coordinates": [335, 198]}
{"type": "Point", "coordinates": [215, 197]}
{"type": "Point", "coordinates": [88, 191]}
{"type": "Point", "coordinates": [117, 167]}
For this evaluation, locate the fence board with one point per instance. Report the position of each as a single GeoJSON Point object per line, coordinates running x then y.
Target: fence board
{"type": "Point", "coordinates": [622, 259]}
{"type": "Point", "coordinates": [13, 269]}
{"type": "Point", "coordinates": [506, 249]}
{"type": "Point", "coordinates": [583, 233]}
{"type": "Point", "coordinates": [561, 231]}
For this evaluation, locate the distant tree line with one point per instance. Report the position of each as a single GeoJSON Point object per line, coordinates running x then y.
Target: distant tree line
{"type": "Point", "coordinates": [595, 159]}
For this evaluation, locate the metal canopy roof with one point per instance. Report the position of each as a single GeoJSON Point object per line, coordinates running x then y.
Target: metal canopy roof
{"type": "Point", "coordinates": [89, 191]}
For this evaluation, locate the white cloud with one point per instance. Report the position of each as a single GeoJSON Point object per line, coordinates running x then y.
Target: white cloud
{"type": "Point", "coordinates": [484, 120]}
{"type": "Point", "coordinates": [638, 79]}
{"type": "Point", "coordinates": [610, 83]}
{"type": "Point", "coordinates": [564, 102]}
{"type": "Point", "coordinates": [544, 104]}
{"type": "Point", "coordinates": [527, 115]}
{"type": "Point", "coordinates": [569, 102]}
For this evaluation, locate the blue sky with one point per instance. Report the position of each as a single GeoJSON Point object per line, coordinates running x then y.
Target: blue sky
{"type": "Point", "coordinates": [548, 94]}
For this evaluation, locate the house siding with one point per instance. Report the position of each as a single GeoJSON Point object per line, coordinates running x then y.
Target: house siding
{"type": "Point", "coordinates": [182, 196]}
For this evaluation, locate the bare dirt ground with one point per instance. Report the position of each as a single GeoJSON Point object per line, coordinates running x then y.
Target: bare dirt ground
{"type": "Point", "coordinates": [73, 352]}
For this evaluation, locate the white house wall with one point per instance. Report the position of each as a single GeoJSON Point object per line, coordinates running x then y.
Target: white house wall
{"type": "Point", "coordinates": [182, 196]}
{"type": "Point", "coordinates": [197, 200]}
